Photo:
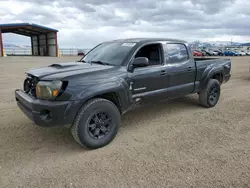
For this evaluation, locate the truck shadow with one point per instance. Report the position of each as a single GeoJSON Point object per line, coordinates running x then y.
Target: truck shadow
{"type": "Point", "coordinates": [57, 140]}
{"type": "Point", "coordinates": [149, 111]}
{"type": "Point", "coordinates": [246, 78]}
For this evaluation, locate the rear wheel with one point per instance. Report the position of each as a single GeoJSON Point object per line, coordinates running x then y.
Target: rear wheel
{"type": "Point", "coordinates": [210, 95]}
{"type": "Point", "coordinates": [96, 124]}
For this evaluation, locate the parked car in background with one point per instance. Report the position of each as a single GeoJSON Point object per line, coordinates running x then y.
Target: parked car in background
{"type": "Point", "coordinates": [219, 52]}
{"type": "Point", "coordinates": [247, 52]}
{"type": "Point", "coordinates": [213, 52]}
{"type": "Point", "coordinates": [242, 53]}
{"type": "Point", "coordinates": [203, 53]}
{"type": "Point", "coordinates": [207, 53]}
{"type": "Point", "coordinates": [230, 53]}
{"type": "Point", "coordinates": [237, 53]}
{"type": "Point", "coordinates": [80, 53]}
{"type": "Point", "coordinates": [197, 53]}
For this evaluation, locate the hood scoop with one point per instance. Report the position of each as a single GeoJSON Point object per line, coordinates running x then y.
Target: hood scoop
{"type": "Point", "coordinates": [56, 66]}
{"type": "Point", "coordinates": [64, 65]}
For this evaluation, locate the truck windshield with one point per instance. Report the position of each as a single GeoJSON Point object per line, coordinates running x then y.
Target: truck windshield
{"type": "Point", "coordinates": [111, 53]}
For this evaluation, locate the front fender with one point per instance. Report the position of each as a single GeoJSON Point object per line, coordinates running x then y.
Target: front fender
{"type": "Point", "coordinates": [117, 86]}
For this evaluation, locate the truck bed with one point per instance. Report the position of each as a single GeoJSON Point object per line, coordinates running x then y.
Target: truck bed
{"type": "Point", "coordinates": [207, 58]}
{"type": "Point", "coordinates": [203, 64]}
{"type": "Point", "coordinates": [200, 62]}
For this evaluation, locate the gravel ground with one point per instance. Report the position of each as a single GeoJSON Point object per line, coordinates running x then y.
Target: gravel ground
{"type": "Point", "coordinates": [172, 144]}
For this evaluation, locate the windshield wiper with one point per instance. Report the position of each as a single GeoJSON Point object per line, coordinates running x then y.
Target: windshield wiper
{"type": "Point", "coordinates": [100, 62]}
{"type": "Point", "coordinates": [81, 61]}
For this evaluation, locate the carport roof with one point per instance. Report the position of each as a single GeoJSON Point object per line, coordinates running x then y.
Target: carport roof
{"type": "Point", "coordinates": [27, 29]}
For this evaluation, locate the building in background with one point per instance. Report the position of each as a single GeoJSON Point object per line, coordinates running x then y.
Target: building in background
{"type": "Point", "coordinates": [43, 39]}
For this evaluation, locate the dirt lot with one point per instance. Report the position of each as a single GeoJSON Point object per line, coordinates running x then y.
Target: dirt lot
{"type": "Point", "coordinates": [173, 144]}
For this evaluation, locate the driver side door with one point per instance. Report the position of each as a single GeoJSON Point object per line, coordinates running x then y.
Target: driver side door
{"type": "Point", "coordinates": [149, 83]}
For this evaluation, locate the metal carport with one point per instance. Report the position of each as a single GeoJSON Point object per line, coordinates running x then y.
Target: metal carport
{"type": "Point", "coordinates": [43, 39]}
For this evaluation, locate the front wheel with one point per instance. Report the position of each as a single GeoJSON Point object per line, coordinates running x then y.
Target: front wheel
{"type": "Point", "coordinates": [96, 124]}
{"type": "Point", "coordinates": [210, 95]}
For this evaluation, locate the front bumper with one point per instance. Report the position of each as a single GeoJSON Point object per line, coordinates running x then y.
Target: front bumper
{"type": "Point", "coordinates": [45, 113]}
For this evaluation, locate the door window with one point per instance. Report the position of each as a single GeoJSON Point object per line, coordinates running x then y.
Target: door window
{"type": "Point", "coordinates": [152, 52]}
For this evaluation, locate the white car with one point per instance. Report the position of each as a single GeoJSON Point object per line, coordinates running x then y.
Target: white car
{"type": "Point", "coordinates": [242, 53]}
{"type": "Point", "coordinates": [214, 52]}
{"type": "Point", "coordinates": [247, 52]}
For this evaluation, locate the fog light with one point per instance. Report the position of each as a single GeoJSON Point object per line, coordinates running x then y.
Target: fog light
{"type": "Point", "coordinates": [46, 115]}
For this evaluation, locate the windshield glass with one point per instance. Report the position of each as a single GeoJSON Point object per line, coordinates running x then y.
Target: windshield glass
{"type": "Point", "coordinates": [109, 53]}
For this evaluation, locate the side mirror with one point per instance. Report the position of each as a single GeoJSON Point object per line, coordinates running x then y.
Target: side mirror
{"type": "Point", "coordinates": [140, 62]}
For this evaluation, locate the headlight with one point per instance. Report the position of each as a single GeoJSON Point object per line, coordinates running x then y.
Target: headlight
{"type": "Point", "coordinates": [48, 90]}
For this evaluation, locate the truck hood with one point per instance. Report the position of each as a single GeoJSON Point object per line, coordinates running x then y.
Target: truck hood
{"type": "Point", "coordinates": [63, 70]}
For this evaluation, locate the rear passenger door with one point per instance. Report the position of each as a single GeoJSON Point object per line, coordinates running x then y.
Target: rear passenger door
{"type": "Point", "coordinates": [181, 69]}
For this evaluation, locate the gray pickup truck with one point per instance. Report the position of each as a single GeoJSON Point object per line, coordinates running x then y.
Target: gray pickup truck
{"type": "Point", "coordinates": [91, 94]}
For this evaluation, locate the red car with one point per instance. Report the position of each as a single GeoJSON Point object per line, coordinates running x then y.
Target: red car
{"type": "Point", "coordinates": [196, 53]}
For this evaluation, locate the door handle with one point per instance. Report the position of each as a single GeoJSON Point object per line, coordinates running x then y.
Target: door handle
{"type": "Point", "coordinates": [189, 69]}
{"type": "Point", "coordinates": [163, 72]}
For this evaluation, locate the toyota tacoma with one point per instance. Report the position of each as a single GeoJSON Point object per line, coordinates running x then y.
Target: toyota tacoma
{"type": "Point", "coordinates": [90, 95]}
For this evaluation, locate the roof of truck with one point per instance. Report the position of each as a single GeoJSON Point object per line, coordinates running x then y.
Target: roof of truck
{"type": "Point", "coordinates": [137, 40]}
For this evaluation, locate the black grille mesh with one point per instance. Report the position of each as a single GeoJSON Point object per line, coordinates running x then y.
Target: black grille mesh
{"type": "Point", "coordinates": [29, 85]}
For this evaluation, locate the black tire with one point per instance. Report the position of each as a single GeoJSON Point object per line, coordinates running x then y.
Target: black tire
{"type": "Point", "coordinates": [210, 95]}
{"type": "Point", "coordinates": [87, 123]}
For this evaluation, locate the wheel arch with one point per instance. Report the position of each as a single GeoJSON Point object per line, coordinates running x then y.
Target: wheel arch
{"type": "Point", "coordinates": [212, 73]}
{"type": "Point", "coordinates": [111, 96]}
{"type": "Point", "coordinates": [218, 76]}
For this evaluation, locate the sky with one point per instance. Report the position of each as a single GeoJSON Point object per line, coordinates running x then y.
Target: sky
{"type": "Point", "coordinates": [85, 23]}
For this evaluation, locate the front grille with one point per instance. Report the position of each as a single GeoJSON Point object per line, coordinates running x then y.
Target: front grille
{"type": "Point", "coordinates": [29, 85]}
